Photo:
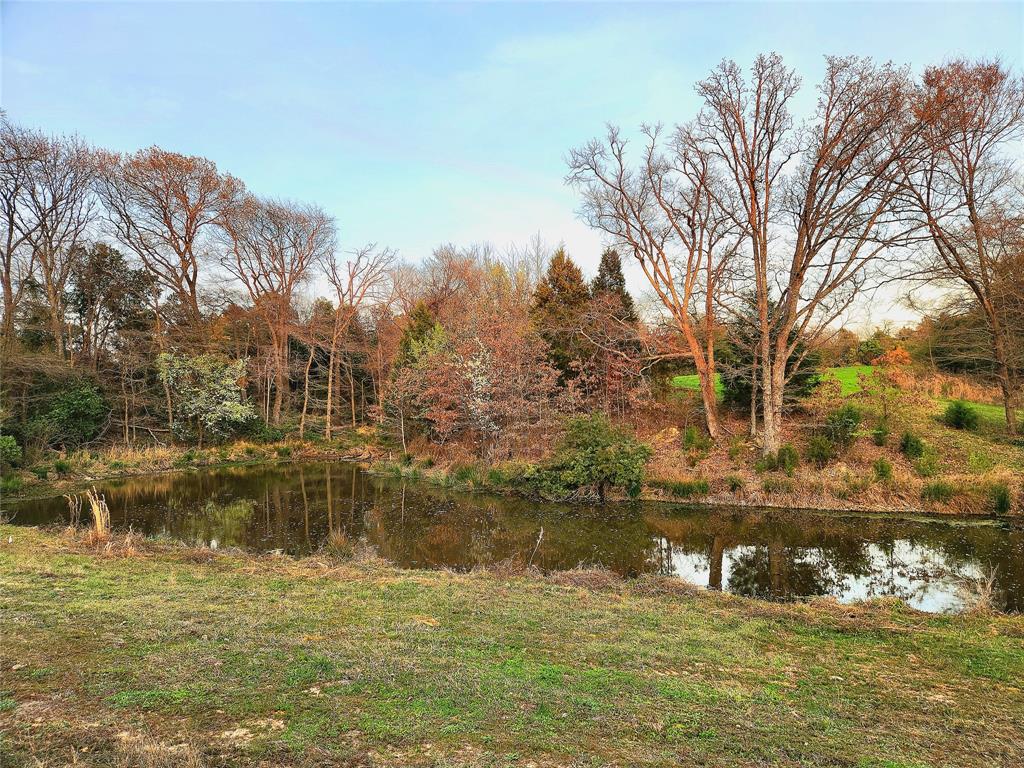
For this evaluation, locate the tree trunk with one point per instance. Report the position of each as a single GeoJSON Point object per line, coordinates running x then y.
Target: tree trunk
{"type": "Point", "coordinates": [332, 361]}
{"type": "Point", "coordinates": [305, 394]}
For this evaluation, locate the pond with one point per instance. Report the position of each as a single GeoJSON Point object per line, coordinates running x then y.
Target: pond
{"type": "Point", "coordinates": [775, 554]}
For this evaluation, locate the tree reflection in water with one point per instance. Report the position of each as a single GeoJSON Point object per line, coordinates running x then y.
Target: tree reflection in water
{"type": "Point", "coordinates": [759, 553]}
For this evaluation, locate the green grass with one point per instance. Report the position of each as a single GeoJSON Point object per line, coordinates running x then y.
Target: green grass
{"type": "Point", "coordinates": [280, 662]}
{"type": "Point", "coordinates": [845, 375]}
{"type": "Point", "coordinates": [848, 377]}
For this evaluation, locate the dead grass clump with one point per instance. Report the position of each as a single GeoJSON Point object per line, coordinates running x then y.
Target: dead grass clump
{"type": "Point", "coordinates": [100, 531]}
{"type": "Point", "coordinates": [339, 545]}
{"type": "Point", "coordinates": [654, 585]}
{"type": "Point", "coordinates": [593, 578]}
{"type": "Point", "coordinates": [503, 569]}
{"type": "Point", "coordinates": [136, 751]}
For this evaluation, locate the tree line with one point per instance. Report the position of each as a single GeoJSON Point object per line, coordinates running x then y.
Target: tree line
{"type": "Point", "coordinates": [150, 296]}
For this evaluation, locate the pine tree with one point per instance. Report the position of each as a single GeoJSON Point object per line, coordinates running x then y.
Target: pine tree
{"type": "Point", "coordinates": [420, 326]}
{"type": "Point", "coordinates": [611, 280]}
{"type": "Point", "coordinates": [559, 306]}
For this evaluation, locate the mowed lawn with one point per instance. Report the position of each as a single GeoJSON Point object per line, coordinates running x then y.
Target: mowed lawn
{"type": "Point", "coordinates": [156, 655]}
{"type": "Point", "coordinates": [846, 375]}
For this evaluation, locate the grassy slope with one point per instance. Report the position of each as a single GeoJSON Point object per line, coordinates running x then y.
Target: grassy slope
{"type": "Point", "coordinates": [300, 662]}
{"type": "Point", "coordinates": [846, 376]}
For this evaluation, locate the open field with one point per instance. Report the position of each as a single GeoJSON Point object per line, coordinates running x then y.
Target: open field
{"type": "Point", "coordinates": [144, 654]}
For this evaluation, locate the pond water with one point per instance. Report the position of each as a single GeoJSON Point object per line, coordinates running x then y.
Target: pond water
{"type": "Point", "coordinates": [771, 554]}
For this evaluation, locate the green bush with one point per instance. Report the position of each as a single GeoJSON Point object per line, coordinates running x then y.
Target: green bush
{"type": "Point", "coordinates": [283, 451]}
{"type": "Point", "coordinates": [911, 445]}
{"type": "Point", "coordinates": [880, 434]}
{"type": "Point", "coordinates": [592, 455]}
{"type": "Point", "coordinates": [71, 416]}
{"type": "Point", "coordinates": [785, 460]}
{"type": "Point", "coordinates": [820, 450]}
{"type": "Point", "coordinates": [41, 473]}
{"type": "Point", "coordinates": [883, 469]}
{"type": "Point", "coordinates": [999, 496]}
{"type": "Point", "coordinates": [62, 466]}
{"type": "Point", "coordinates": [979, 462]}
{"type": "Point", "coordinates": [10, 484]}
{"type": "Point", "coordinates": [841, 426]}
{"type": "Point", "coordinates": [10, 451]}
{"type": "Point", "coordinates": [960, 414]}
{"type": "Point", "coordinates": [683, 489]}
{"type": "Point", "coordinates": [734, 482]}
{"type": "Point", "coordinates": [939, 490]}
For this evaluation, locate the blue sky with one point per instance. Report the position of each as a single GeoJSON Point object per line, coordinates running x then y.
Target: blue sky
{"type": "Point", "coordinates": [418, 124]}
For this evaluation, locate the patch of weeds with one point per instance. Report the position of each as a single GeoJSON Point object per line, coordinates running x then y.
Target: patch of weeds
{"type": "Point", "coordinates": [153, 698]}
{"type": "Point", "coordinates": [7, 703]}
{"type": "Point", "coordinates": [736, 447]}
{"type": "Point", "coordinates": [427, 463]}
{"type": "Point", "coordinates": [683, 489]}
{"type": "Point", "coordinates": [911, 445]}
{"type": "Point", "coordinates": [1000, 497]}
{"type": "Point", "coordinates": [882, 469]}
{"type": "Point", "coordinates": [734, 482]}
{"type": "Point", "coordinates": [283, 451]}
{"type": "Point", "coordinates": [777, 485]}
{"type": "Point", "coordinates": [960, 414]}
{"type": "Point", "coordinates": [309, 668]}
{"type": "Point", "coordinates": [406, 459]}
{"type": "Point", "coordinates": [929, 464]}
{"type": "Point", "coordinates": [41, 473]}
{"type": "Point", "coordinates": [978, 463]}
{"type": "Point", "coordinates": [116, 465]}
{"type": "Point", "coordinates": [694, 439]}
{"type": "Point", "coordinates": [820, 450]}
{"type": "Point", "coordinates": [62, 466]}
{"type": "Point", "coordinates": [10, 484]}
{"type": "Point", "coordinates": [186, 459]}
{"type": "Point", "coordinates": [938, 491]}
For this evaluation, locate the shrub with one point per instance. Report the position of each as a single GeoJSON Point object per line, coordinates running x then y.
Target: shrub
{"type": "Point", "coordinates": [880, 434]}
{"type": "Point", "coordinates": [406, 459]}
{"type": "Point", "coordinates": [10, 451]}
{"type": "Point", "coordinates": [463, 474]}
{"type": "Point", "coordinates": [41, 473]}
{"type": "Point", "coordinates": [10, 484]}
{"type": "Point", "coordinates": [594, 454]}
{"type": "Point", "coordinates": [960, 414]}
{"type": "Point", "coordinates": [62, 466]}
{"type": "Point", "coordinates": [283, 451]}
{"type": "Point", "coordinates": [820, 450]}
{"type": "Point", "coordinates": [787, 459]}
{"type": "Point", "coordinates": [929, 464]}
{"type": "Point", "coordinates": [841, 426]}
{"type": "Point", "coordinates": [999, 496]}
{"type": "Point", "coordinates": [72, 416]}
{"type": "Point", "coordinates": [735, 483]}
{"type": "Point", "coordinates": [883, 469]}
{"type": "Point", "coordinates": [911, 445]}
{"type": "Point", "coordinates": [683, 489]}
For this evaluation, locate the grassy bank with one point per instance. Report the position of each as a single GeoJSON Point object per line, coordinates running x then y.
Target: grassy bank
{"type": "Point", "coordinates": [140, 654]}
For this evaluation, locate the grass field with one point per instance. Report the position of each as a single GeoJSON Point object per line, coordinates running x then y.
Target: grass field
{"type": "Point", "coordinates": [166, 656]}
{"type": "Point", "coordinates": [845, 375]}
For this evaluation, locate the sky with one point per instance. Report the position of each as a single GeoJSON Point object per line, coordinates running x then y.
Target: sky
{"type": "Point", "coordinates": [418, 124]}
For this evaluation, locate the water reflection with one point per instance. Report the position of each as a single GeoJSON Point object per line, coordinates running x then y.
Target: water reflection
{"type": "Point", "coordinates": [759, 553]}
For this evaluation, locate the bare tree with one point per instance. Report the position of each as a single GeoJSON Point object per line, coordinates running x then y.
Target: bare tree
{"type": "Point", "coordinates": [273, 246]}
{"type": "Point", "coordinates": [363, 277]}
{"type": "Point", "coordinates": [56, 208]}
{"type": "Point", "coordinates": [816, 205]}
{"type": "Point", "coordinates": [965, 194]}
{"type": "Point", "coordinates": [163, 206]}
{"type": "Point", "coordinates": [19, 149]}
{"type": "Point", "coordinates": [668, 214]}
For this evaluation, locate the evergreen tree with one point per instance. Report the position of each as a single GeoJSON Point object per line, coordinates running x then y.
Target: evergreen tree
{"type": "Point", "coordinates": [559, 307]}
{"type": "Point", "coordinates": [611, 280]}
{"type": "Point", "coordinates": [421, 325]}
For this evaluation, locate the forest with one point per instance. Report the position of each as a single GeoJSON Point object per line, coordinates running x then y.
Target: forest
{"type": "Point", "coordinates": [151, 300]}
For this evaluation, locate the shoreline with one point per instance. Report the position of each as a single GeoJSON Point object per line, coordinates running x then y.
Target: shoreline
{"type": "Point", "coordinates": [365, 461]}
